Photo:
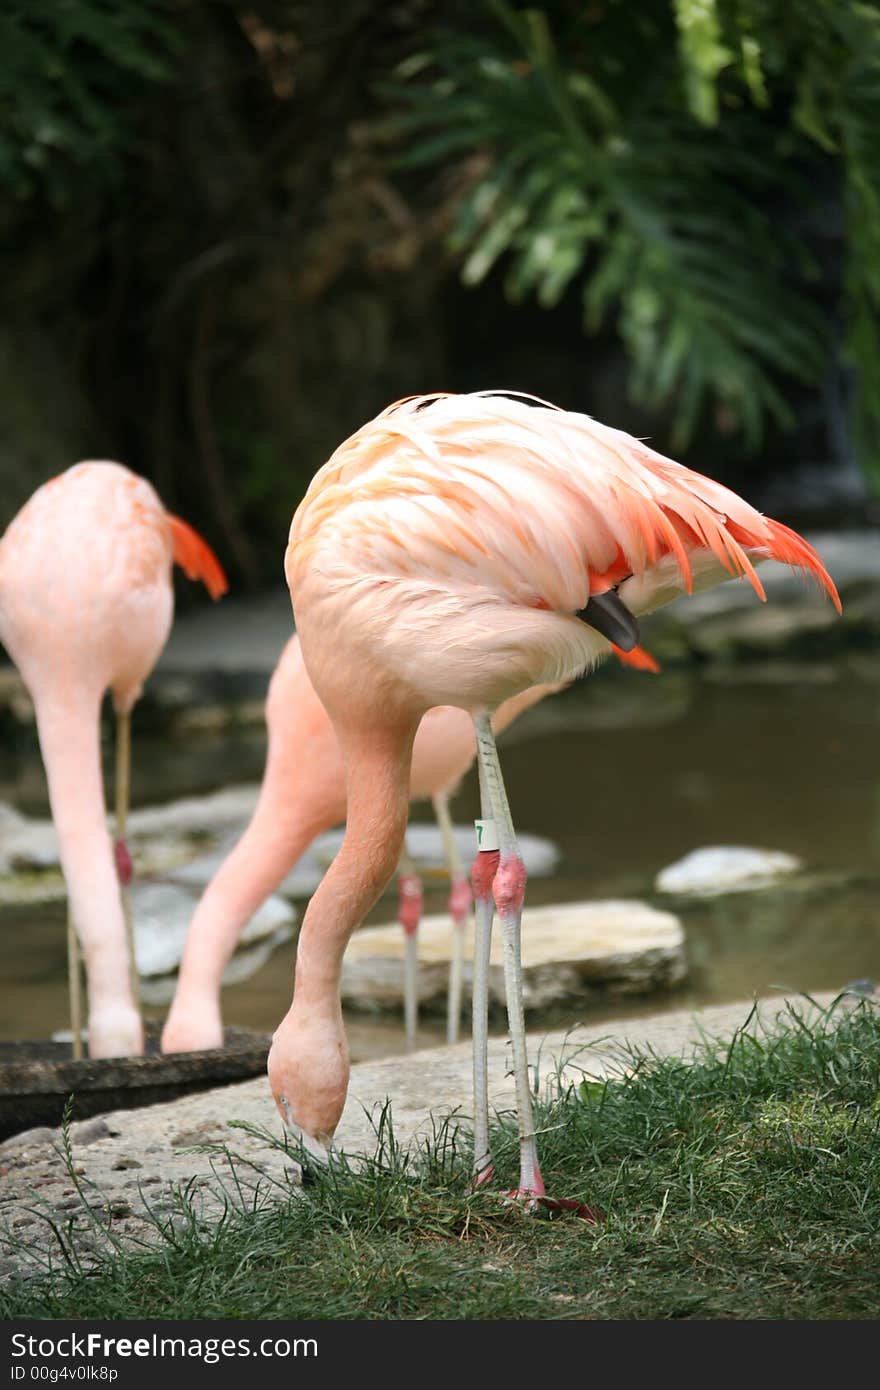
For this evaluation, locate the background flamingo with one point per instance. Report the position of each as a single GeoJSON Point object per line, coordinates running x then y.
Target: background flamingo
{"type": "Point", "coordinates": [303, 794]}
{"type": "Point", "coordinates": [86, 603]}
{"type": "Point", "coordinates": [457, 550]}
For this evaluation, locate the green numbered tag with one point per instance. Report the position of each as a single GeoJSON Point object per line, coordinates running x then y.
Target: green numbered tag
{"type": "Point", "coordinates": [487, 834]}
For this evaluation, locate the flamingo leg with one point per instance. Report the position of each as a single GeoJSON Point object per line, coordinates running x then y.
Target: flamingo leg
{"type": "Point", "coordinates": [74, 985]}
{"type": "Point", "coordinates": [459, 907]}
{"type": "Point", "coordinates": [409, 915]}
{"type": "Point", "coordinates": [123, 858]}
{"type": "Point", "coordinates": [483, 872]}
{"type": "Point", "coordinates": [508, 890]}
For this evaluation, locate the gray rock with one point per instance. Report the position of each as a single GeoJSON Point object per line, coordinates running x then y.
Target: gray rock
{"type": "Point", "coordinates": [161, 840]}
{"type": "Point", "coordinates": [163, 912]}
{"type": "Point", "coordinates": [157, 835]}
{"type": "Point", "coordinates": [728, 621]}
{"type": "Point", "coordinates": [89, 1131]}
{"type": "Point", "coordinates": [424, 841]}
{"type": "Point", "coordinates": [28, 1145]}
{"type": "Point", "coordinates": [301, 882]}
{"type": "Point", "coordinates": [425, 844]}
{"type": "Point", "coordinates": [206, 815]}
{"type": "Point", "coordinates": [852, 558]}
{"type": "Point", "coordinates": [570, 951]}
{"type": "Point", "coordinates": [304, 877]}
{"type": "Point", "coordinates": [197, 873]}
{"type": "Point", "coordinates": [763, 625]}
{"type": "Point", "coordinates": [10, 819]}
{"type": "Point", "coordinates": [158, 990]}
{"type": "Point", "coordinates": [27, 844]}
{"type": "Point", "coordinates": [717, 869]}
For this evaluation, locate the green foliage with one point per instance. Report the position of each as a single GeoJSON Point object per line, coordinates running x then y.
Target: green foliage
{"type": "Point", "coordinates": [704, 55]}
{"type": "Point", "coordinates": [66, 83]}
{"type": "Point", "coordinates": [205, 263]}
{"type": "Point", "coordinates": [224, 224]}
{"type": "Point", "coordinates": [675, 161]}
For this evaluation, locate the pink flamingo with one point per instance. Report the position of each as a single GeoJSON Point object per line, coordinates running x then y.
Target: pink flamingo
{"type": "Point", "coordinates": [457, 550]}
{"type": "Point", "coordinates": [86, 603]}
{"type": "Point", "coordinates": [303, 794]}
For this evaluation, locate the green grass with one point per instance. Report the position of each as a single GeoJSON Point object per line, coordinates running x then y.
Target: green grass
{"type": "Point", "coordinates": [743, 1185]}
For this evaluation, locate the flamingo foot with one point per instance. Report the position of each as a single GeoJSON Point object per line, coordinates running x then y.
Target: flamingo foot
{"type": "Point", "coordinates": [558, 1206]}
{"type": "Point", "coordinates": [115, 1030]}
{"type": "Point", "coordinates": [193, 1028]}
{"type": "Point", "coordinates": [530, 1190]}
{"type": "Point", "coordinates": [480, 1177]}
{"type": "Point", "coordinates": [538, 1202]}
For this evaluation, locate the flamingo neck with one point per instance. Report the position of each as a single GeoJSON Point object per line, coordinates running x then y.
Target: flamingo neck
{"type": "Point", "coordinates": [69, 730]}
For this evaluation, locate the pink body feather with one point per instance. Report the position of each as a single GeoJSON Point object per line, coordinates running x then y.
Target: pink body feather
{"type": "Point", "coordinates": [452, 539]}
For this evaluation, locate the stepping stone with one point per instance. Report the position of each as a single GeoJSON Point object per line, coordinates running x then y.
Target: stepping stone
{"type": "Point", "coordinates": [155, 833]}
{"type": "Point", "coordinates": [163, 912]}
{"type": "Point", "coordinates": [10, 819]}
{"type": "Point", "coordinates": [717, 869]}
{"type": "Point", "coordinates": [158, 990]}
{"type": "Point", "coordinates": [161, 838]}
{"type": "Point", "coordinates": [301, 882]}
{"type": "Point", "coordinates": [211, 814]}
{"type": "Point", "coordinates": [26, 844]}
{"type": "Point", "coordinates": [570, 951]}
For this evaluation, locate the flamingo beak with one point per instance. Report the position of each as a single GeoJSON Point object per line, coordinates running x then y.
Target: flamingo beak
{"type": "Point", "coordinates": [312, 1145]}
{"type": "Point", "coordinates": [609, 615]}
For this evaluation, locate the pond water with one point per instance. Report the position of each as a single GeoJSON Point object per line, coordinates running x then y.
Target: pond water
{"type": "Point", "coordinates": [625, 774]}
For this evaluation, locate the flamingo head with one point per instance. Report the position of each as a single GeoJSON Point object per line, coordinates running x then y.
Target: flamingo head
{"type": "Point", "coordinates": [308, 1072]}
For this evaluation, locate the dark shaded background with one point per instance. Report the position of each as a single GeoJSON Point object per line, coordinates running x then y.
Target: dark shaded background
{"type": "Point", "coordinates": [220, 255]}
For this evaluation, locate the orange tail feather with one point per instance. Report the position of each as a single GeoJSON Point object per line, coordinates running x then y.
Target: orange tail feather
{"type": "Point", "coordinates": [787, 546]}
{"type": "Point", "coordinates": [638, 659]}
{"type": "Point", "coordinates": [196, 558]}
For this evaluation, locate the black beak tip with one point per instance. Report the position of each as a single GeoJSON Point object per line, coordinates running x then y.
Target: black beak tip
{"type": "Point", "coordinates": [609, 615]}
